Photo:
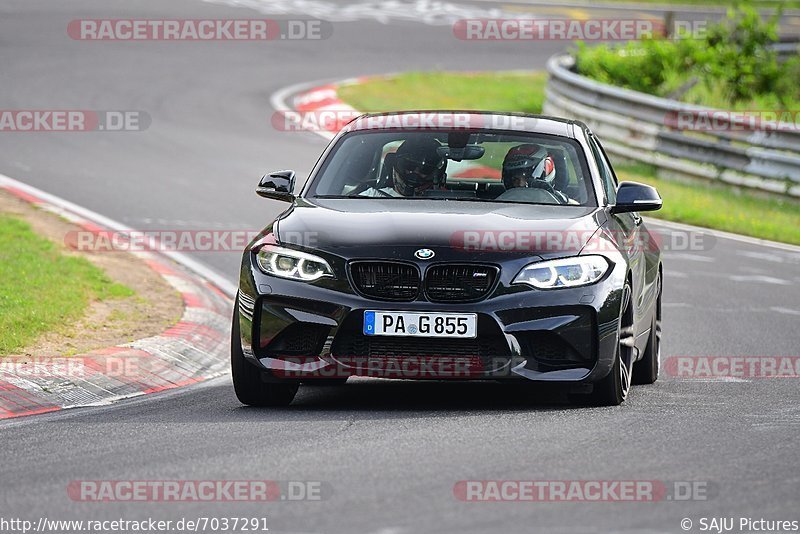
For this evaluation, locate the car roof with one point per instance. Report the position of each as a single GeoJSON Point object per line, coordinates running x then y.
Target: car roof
{"type": "Point", "coordinates": [466, 119]}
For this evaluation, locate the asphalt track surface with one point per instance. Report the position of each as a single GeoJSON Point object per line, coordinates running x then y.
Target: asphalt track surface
{"type": "Point", "coordinates": [390, 452]}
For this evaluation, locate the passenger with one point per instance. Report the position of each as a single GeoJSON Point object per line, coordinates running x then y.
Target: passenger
{"type": "Point", "coordinates": [530, 165]}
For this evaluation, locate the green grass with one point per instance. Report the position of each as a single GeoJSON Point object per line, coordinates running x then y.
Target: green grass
{"type": "Point", "coordinates": [720, 207]}
{"type": "Point", "coordinates": [720, 3]}
{"type": "Point", "coordinates": [709, 205]}
{"type": "Point", "coordinates": [442, 90]}
{"type": "Point", "coordinates": [42, 289]}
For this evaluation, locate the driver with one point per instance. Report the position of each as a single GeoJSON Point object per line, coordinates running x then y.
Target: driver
{"type": "Point", "coordinates": [530, 165]}
{"type": "Point", "coordinates": [418, 167]}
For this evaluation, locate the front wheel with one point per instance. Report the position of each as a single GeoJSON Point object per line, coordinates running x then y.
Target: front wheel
{"type": "Point", "coordinates": [247, 383]}
{"type": "Point", "coordinates": [645, 371]}
{"type": "Point", "coordinates": [613, 389]}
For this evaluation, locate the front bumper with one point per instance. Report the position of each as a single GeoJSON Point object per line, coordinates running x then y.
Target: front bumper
{"type": "Point", "coordinates": [305, 331]}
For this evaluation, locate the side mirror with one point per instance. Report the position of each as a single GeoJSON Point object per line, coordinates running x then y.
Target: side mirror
{"type": "Point", "coordinates": [633, 196]}
{"type": "Point", "coordinates": [277, 185]}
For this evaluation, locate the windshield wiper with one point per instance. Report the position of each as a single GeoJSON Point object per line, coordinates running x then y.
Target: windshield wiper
{"type": "Point", "coordinates": [459, 199]}
{"type": "Point", "coordinates": [342, 196]}
{"type": "Point", "coordinates": [369, 196]}
{"type": "Point", "coordinates": [504, 201]}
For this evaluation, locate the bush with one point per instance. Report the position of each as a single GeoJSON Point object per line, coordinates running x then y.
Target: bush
{"type": "Point", "coordinates": [788, 86]}
{"type": "Point", "coordinates": [649, 66]}
{"type": "Point", "coordinates": [732, 65]}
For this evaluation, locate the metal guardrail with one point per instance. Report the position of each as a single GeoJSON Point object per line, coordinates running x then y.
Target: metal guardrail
{"type": "Point", "coordinates": [786, 50]}
{"type": "Point", "coordinates": [664, 133]}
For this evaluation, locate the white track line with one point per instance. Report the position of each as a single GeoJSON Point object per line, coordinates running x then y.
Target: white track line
{"type": "Point", "coordinates": [724, 235]}
{"type": "Point", "coordinates": [193, 265]}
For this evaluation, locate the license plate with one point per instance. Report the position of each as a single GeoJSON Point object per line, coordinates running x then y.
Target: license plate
{"type": "Point", "coordinates": [390, 323]}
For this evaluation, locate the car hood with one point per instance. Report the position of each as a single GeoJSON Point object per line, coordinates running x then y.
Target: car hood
{"type": "Point", "coordinates": [391, 227]}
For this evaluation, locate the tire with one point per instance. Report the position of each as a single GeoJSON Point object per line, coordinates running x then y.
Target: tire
{"type": "Point", "coordinates": [247, 380]}
{"type": "Point", "coordinates": [612, 390]}
{"type": "Point", "coordinates": [645, 371]}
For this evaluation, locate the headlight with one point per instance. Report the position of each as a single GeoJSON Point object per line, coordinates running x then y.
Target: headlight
{"type": "Point", "coordinates": [566, 272]}
{"type": "Point", "coordinates": [288, 263]}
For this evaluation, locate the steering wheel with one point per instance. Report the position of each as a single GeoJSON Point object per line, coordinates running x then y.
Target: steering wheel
{"type": "Point", "coordinates": [363, 186]}
{"type": "Point", "coordinates": [541, 184]}
{"type": "Point", "coordinates": [536, 195]}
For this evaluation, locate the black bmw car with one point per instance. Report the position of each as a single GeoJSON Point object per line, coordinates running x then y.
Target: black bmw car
{"type": "Point", "coordinates": [452, 245]}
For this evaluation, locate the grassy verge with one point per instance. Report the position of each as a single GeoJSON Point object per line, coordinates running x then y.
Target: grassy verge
{"type": "Point", "coordinates": [42, 289]}
{"type": "Point", "coordinates": [468, 91]}
{"type": "Point", "coordinates": [709, 205]}
{"type": "Point", "coordinates": [720, 207]}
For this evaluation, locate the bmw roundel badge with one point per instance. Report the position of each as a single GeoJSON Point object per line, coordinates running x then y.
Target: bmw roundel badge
{"type": "Point", "coordinates": [424, 254]}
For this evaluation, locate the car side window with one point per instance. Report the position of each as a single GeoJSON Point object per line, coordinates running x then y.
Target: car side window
{"type": "Point", "coordinates": [606, 174]}
{"type": "Point", "coordinates": [607, 162]}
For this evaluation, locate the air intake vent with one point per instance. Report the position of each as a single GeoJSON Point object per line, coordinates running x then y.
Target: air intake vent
{"type": "Point", "coordinates": [459, 283]}
{"type": "Point", "coordinates": [385, 280]}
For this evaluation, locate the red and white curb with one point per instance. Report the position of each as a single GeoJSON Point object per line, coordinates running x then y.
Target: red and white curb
{"type": "Point", "coordinates": [321, 103]}
{"type": "Point", "coordinates": [193, 350]}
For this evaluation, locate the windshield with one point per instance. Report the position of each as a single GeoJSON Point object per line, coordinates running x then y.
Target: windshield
{"type": "Point", "coordinates": [456, 165]}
